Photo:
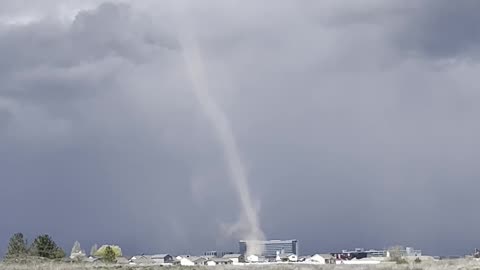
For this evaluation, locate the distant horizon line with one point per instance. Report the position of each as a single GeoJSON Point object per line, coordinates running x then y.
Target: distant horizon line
{"type": "Point", "coordinates": [273, 240]}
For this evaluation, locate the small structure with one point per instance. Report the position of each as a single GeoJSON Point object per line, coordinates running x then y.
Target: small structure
{"type": "Point", "coordinates": [186, 261]}
{"type": "Point", "coordinates": [376, 253]}
{"type": "Point", "coordinates": [92, 259]}
{"type": "Point", "coordinates": [222, 261]}
{"type": "Point", "coordinates": [210, 263]}
{"type": "Point", "coordinates": [398, 252]}
{"type": "Point", "coordinates": [142, 260]}
{"type": "Point", "coordinates": [345, 255]}
{"type": "Point", "coordinates": [303, 258]}
{"type": "Point", "coordinates": [176, 261]}
{"type": "Point", "coordinates": [411, 252]}
{"type": "Point", "coordinates": [198, 260]}
{"type": "Point", "coordinates": [476, 253]}
{"type": "Point", "coordinates": [214, 253]}
{"type": "Point", "coordinates": [364, 261]}
{"type": "Point", "coordinates": [235, 258]}
{"type": "Point", "coordinates": [162, 258]}
{"type": "Point", "coordinates": [287, 257]}
{"type": "Point", "coordinates": [263, 259]}
{"type": "Point", "coordinates": [322, 259]}
{"type": "Point", "coordinates": [122, 260]}
{"type": "Point", "coordinates": [252, 258]}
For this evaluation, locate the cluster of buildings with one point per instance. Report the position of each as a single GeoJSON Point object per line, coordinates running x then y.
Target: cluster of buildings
{"type": "Point", "coordinates": [186, 260]}
{"type": "Point", "coordinates": [360, 253]}
{"type": "Point", "coordinates": [271, 248]}
{"type": "Point", "coordinates": [287, 251]}
{"type": "Point", "coordinates": [273, 251]}
{"type": "Point", "coordinates": [167, 259]}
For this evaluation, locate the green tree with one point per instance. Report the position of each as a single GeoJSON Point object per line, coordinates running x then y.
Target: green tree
{"type": "Point", "coordinates": [116, 249]}
{"type": "Point", "coordinates": [58, 253]}
{"type": "Point", "coordinates": [109, 255]}
{"type": "Point", "coordinates": [44, 246]}
{"type": "Point", "coordinates": [17, 246]}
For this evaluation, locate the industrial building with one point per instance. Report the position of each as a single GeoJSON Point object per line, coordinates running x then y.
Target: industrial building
{"type": "Point", "coordinates": [271, 247]}
{"type": "Point", "coordinates": [218, 254]}
{"type": "Point", "coordinates": [360, 253]}
{"type": "Point", "coordinates": [411, 252]}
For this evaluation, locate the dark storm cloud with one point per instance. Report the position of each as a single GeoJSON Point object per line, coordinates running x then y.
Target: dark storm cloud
{"type": "Point", "coordinates": [349, 141]}
{"type": "Point", "coordinates": [5, 117]}
{"type": "Point", "coordinates": [70, 128]}
{"type": "Point", "coordinates": [443, 29]}
{"type": "Point", "coordinates": [48, 61]}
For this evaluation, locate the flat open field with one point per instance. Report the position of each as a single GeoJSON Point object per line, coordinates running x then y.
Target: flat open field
{"type": "Point", "coordinates": [440, 265]}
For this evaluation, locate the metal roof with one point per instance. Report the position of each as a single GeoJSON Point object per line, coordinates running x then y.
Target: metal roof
{"type": "Point", "coordinates": [232, 255]}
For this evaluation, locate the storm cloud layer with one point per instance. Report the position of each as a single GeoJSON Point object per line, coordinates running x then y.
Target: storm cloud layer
{"type": "Point", "coordinates": [357, 123]}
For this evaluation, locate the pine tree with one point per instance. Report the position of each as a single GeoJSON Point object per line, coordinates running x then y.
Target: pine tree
{"type": "Point", "coordinates": [17, 246]}
{"type": "Point", "coordinates": [44, 246]}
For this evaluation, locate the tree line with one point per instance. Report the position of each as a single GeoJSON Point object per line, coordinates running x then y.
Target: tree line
{"type": "Point", "coordinates": [44, 246]}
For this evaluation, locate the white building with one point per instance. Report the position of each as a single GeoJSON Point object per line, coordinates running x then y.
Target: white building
{"type": "Point", "coordinates": [210, 263]}
{"type": "Point", "coordinates": [186, 262]}
{"type": "Point", "coordinates": [322, 259]}
{"type": "Point", "coordinates": [252, 258]}
{"type": "Point", "coordinates": [411, 252]}
{"type": "Point", "coordinates": [286, 257]}
{"type": "Point", "coordinates": [142, 260]}
{"type": "Point", "coordinates": [407, 252]}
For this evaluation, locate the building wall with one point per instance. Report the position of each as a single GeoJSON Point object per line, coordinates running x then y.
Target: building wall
{"type": "Point", "coordinates": [376, 253]}
{"type": "Point", "coordinates": [411, 252]}
{"type": "Point", "coordinates": [166, 259]}
{"type": "Point", "coordinates": [215, 253]}
{"type": "Point", "coordinates": [211, 253]}
{"type": "Point", "coordinates": [186, 262]}
{"type": "Point", "coordinates": [271, 247]}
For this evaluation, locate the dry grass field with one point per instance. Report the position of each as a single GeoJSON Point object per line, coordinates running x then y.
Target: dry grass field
{"type": "Point", "coordinates": [437, 265]}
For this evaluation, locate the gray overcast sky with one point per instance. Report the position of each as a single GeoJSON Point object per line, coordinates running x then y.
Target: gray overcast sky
{"type": "Point", "coordinates": [357, 122]}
